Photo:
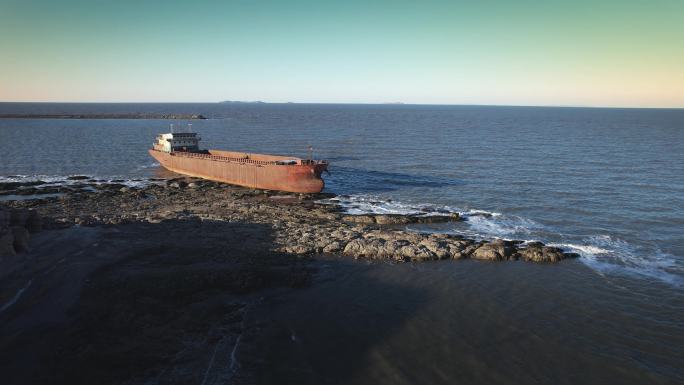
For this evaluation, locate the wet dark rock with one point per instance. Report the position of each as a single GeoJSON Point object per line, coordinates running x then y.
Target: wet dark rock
{"type": "Point", "coordinates": [400, 219]}
{"type": "Point", "coordinates": [37, 191]}
{"type": "Point", "coordinates": [487, 252]}
{"type": "Point", "coordinates": [112, 186]}
{"type": "Point", "coordinates": [176, 183]}
{"type": "Point", "coordinates": [452, 217]}
{"type": "Point", "coordinates": [497, 250]}
{"type": "Point", "coordinates": [78, 177]}
{"type": "Point", "coordinates": [323, 195]}
{"type": "Point", "coordinates": [366, 219]}
{"type": "Point", "coordinates": [537, 253]}
{"type": "Point", "coordinates": [302, 226]}
{"type": "Point", "coordinates": [439, 247]}
{"type": "Point", "coordinates": [6, 186]}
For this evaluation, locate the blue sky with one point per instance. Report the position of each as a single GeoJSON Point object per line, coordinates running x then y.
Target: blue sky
{"type": "Point", "coordinates": [600, 53]}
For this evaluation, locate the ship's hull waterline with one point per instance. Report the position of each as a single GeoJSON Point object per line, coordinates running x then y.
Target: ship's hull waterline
{"type": "Point", "coordinates": [255, 171]}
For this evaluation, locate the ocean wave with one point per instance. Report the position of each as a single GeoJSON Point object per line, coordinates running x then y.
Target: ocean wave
{"type": "Point", "coordinates": [480, 212]}
{"type": "Point", "coordinates": [608, 254]}
{"type": "Point", "coordinates": [602, 253]}
{"type": "Point", "coordinates": [63, 180]}
{"type": "Point", "coordinates": [149, 165]}
{"type": "Point", "coordinates": [502, 226]}
{"type": "Point", "coordinates": [33, 178]}
{"type": "Point", "coordinates": [368, 204]}
{"type": "Point", "coordinates": [479, 224]}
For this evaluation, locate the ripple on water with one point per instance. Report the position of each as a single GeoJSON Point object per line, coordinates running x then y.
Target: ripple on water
{"type": "Point", "coordinates": [603, 253]}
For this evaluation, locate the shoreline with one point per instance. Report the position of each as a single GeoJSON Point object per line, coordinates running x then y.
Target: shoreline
{"type": "Point", "coordinates": [302, 225]}
{"type": "Point", "coordinates": [134, 115]}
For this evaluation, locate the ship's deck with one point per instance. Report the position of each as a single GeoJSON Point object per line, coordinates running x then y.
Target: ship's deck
{"type": "Point", "coordinates": [241, 157]}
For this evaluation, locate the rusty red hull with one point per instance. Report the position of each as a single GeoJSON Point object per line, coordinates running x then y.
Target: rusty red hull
{"type": "Point", "coordinates": [304, 177]}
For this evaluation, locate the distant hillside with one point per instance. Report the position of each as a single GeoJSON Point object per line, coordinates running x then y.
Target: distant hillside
{"type": "Point", "coordinates": [243, 102]}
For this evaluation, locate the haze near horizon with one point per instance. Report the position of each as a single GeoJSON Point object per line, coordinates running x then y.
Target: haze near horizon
{"type": "Point", "coordinates": [582, 53]}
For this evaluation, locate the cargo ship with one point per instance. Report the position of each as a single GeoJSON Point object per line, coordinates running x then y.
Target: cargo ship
{"type": "Point", "coordinates": [180, 153]}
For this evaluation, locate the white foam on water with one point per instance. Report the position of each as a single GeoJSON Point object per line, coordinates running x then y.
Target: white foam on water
{"type": "Point", "coordinates": [48, 179]}
{"type": "Point", "coordinates": [149, 165]}
{"type": "Point", "coordinates": [369, 204]}
{"type": "Point", "coordinates": [607, 254]}
{"type": "Point", "coordinates": [62, 180]}
{"type": "Point", "coordinates": [480, 212]}
{"type": "Point", "coordinates": [501, 226]}
{"type": "Point", "coordinates": [134, 183]}
{"type": "Point", "coordinates": [479, 224]}
{"type": "Point", "coordinates": [602, 253]}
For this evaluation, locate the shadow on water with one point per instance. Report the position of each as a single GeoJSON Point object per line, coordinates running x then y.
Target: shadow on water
{"type": "Point", "coordinates": [469, 322]}
{"type": "Point", "coordinates": [346, 180]}
{"type": "Point", "coordinates": [181, 301]}
{"type": "Point", "coordinates": [138, 303]}
{"type": "Point", "coordinates": [329, 333]}
{"type": "Point", "coordinates": [189, 301]}
{"type": "Point", "coordinates": [349, 180]}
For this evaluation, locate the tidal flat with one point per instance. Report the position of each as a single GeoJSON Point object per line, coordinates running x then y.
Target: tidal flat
{"type": "Point", "coordinates": [188, 281]}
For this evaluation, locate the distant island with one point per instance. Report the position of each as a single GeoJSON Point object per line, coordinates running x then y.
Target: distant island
{"type": "Point", "coordinates": [242, 102]}
{"type": "Point", "coordinates": [133, 115]}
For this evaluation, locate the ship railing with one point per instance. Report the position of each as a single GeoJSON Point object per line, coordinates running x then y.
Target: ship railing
{"type": "Point", "coordinates": [223, 158]}
{"type": "Point", "coordinates": [313, 162]}
{"type": "Point", "coordinates": [242, 160]}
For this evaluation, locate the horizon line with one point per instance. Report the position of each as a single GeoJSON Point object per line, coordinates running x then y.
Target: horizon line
{"type": "Point", "coordinates": [355, 103]}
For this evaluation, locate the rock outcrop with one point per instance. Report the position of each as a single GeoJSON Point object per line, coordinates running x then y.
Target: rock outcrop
{"type": "Point", "coordinates": [301, 225]}
{"type": "Point", "coordinates": [400, 219]}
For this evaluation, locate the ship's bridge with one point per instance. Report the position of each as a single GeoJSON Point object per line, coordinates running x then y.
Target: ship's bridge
{"type": "Point", "coordinates": [177, 141]}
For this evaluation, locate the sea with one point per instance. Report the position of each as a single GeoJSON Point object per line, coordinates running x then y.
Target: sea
{"type": "Point", "coordinates": [605, 183]}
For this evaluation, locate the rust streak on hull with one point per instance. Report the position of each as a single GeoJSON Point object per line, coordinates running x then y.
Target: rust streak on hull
{"type": "Point", "coordinates": [258, 172]}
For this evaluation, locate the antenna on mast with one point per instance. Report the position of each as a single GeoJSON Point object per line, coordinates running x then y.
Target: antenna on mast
{"type": "Point", "coordinates": [189, 127]}
{"type": "Point", "coordinates": [310, 152]}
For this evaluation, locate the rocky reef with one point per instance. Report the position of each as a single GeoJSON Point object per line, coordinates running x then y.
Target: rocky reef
{"type": "Point", "coordinates": [301, 224]}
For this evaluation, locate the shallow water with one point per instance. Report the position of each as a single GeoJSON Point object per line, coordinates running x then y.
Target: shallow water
{"type": "Point", "coordinates": [472, 322]}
